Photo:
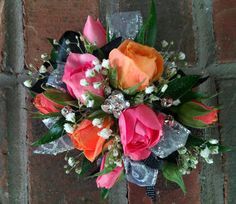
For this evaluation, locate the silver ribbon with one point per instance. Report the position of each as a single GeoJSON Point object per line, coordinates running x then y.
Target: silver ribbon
{"type": "Point", "coordinates": [138, 173]}
{"type": "Point", "coordinates": [174, 137]}
{"type": "Point", "coordinates": [55, 78]}
{"type": "Point", "coordinates": [125, 24]}
{"type": "Point", "coordinates": [60, 145]}
{"type": "Point", "coordinates": [49, 122]}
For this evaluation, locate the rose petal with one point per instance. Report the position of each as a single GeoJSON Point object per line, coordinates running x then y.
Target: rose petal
{"type": "Point", "coordinates": [94, 32]}
{"type": "Point", "coordinates": [148, 117]}
{"type": "Point", "coordinates": [109, 179]}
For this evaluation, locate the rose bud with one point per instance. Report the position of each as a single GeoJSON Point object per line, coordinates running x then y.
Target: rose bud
{"type": "Point", "coordinates": [45, 106]}
{"type": "Point", "coordinates": [94, 32]}
{"type": "Point", "coordinates": [196, 114]}
{"type": "Point", "coordinates": [109, 179]}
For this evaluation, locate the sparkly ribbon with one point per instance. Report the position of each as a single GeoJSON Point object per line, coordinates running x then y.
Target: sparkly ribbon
{"type": "Point", "coordinates": [125, 24]}
{"type": "Point", "coordinates": [55, 147]}
{"type": "Point", "coordinates": [139, 173]}
{"type": "Point", "coordinates": [174, 137]}
{"type": "Point", "coordinates": [55, 78]}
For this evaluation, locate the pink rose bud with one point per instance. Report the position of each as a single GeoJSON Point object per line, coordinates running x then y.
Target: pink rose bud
{"type": "Point", "coordinates": [109, 179]}
{"type": "Point", "coordinates": [94, 32]}
{"type": "Point", "coordinates": [76, 78]}
{"type": "Point", "coordinates": [140, 130]}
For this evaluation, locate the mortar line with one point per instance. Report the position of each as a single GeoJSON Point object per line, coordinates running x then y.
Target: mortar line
{"type": "Point", "coordinates": [215, 70]}
{"type": "Point", "coordinates": [16, 115]}
{"type": "Point", "coordinates": [205, 46]}
{"type": "Point", "coordinates": [7, 80]}
{"type": "Point", "coordinates": [204, 34]}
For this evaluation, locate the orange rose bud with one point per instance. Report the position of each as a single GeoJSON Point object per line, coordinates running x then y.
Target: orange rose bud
{"type": "Point", "coordinates": [208, 118]}
{"type": "Point", "coordinates": [136, 63]}
{"type": "Point", "coordinates": [86, 138]}
{"type": "Point", "coordinates": [46, 106]}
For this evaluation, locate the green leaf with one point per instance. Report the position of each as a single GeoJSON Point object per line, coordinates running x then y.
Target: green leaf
{"type": "Point", "coordinates": [171, 173]}
{"type": "Point", "coordinates": [194, 141]}
{"type": "Point", "coordinates": [54, 133]}
{"type": "Point", "coordinates": [97, 114]}
{"type": "Point", "coordinates": [85, 166]}
{"type": "Point", "coordinates": [108, 34]}
{"type": "Point", "coordinates": [148, 32]}
{"type": "Point", "coordinates": [109, 37]}
{"type": "Point", "coordinates": [32, 94]}
{"type": "Point", "coordinates": [191, 95]}
{"type": "Point", "coordinates": [134, 89]}
{"type": "Point", "coordinates": [60, 97]}
{"type": "Point", "coordinates": [180, 86]}
{"type": "Point", "coordinates": [98, 100]}
{"type": "Point", "coordinates": [104, 171]}
{"type": "Point", "coordinates": [224, 149]}
{"type": "Point", "coordinates": [104, 193]}
{"type": "Point", "coordinates": [112, 74]}
{"type": "Point", "coordinates": [54, 57]}
{"type": "Point", "coordinates": [45, 116]}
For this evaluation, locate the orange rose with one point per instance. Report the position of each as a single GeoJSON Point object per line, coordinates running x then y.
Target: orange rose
{"type": "Point", "coordinates": [85, 138]}
{"type": "Point", "coordinates": [136, 63]}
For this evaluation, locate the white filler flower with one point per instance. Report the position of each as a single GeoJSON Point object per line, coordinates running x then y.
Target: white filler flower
{"type": "Point", "coordinates": [68, 128]}
{"type": "Point", "coordinates": [105, 133]}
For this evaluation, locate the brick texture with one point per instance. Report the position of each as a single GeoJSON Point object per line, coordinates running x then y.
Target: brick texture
{"type": "Point", "coordinates": [1, 33]}
{"type": "Point", "coordinates": [171, 193]}
{"type": "Point", "coordinates": [175, 23]}
{"type": "Point", "coordinates": [3, 150]}
{"type": "Point", "coordinates": [45, 19]}
{"type": "Point", "coordinates": [48, 182]}
{"type": "Point", "coordinates": [225, 29]}
{"type": "Point", "coordinates": [228, 131]}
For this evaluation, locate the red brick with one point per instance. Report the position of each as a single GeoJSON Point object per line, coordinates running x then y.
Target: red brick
{"type": "Point", "coordinates": [137, 195]}
{"type": "Point", "coordinates": [48, 182]}
{"type": "Point", "coordinates": [171, 193]}
{"type": "Point", "coordinates": [225, 29]}
{"type": "Point", "coordinates": [52, 18]}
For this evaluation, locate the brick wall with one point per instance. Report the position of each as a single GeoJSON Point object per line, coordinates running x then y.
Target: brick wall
{"type": "Point", "coordinates": [204, 29]}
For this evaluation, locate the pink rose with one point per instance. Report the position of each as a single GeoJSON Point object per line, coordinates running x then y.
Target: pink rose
{"type": "Point", "coordinates": [109, 179]}
{"type": "Point", "coordinates": [75, 77]}
{"type": "Point", "coordinates": [140, 129]}
{"type": "Point", "coordinates": [94, 32]}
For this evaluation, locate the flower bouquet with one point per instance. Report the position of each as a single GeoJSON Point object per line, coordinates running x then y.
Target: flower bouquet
{"type": "Point", "coordinates": [126, 108]}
